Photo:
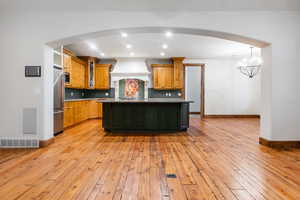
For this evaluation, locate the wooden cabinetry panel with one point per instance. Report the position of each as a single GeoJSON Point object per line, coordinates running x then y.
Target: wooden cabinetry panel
{"type": "Point", "coordinates": [77, 70]}
{"type": "Point", "coordinates": [102, 80]}
{"type": "Point", "coordinates": [68, 114]}
{"type": "Point", "coordinates": [78, 111]}
{"type": "Point", "coordinates": [163, 77]}
{"type": "Point", "coordinates": [178, 72]}
{"type": "Point", "coordinates": [169, 76]}
{"type": "Point", "coordinates": [95, 109]}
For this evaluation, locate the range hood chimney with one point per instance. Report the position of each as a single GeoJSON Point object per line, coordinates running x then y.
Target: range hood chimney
{"type": "Point", "coordinates": [130, 68]}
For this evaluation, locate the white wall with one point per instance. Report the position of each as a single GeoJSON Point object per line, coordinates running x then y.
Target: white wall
{"type": "Point", "coordinates": [227, 91]}
{"type": "Point", "coordinates": [192, 87]}
{"type": "Point", "coordinates": [24, 33]}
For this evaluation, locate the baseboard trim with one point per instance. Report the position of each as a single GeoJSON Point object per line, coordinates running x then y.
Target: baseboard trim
{"type": "Point", "coordinates": [194, 113]}
{"type": "Point", "coordinates": [279, 144]}
{"type": "Point", "coordinates": [45, 143]}
{"type": "Point", "coordinates": [232, 116]}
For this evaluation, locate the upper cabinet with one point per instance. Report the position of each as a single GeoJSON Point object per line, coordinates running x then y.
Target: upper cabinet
{"type": "Point", "coordinates": [168, 76]}
{"type": "Point", "coordinates": [163, 78]}
{"type": "Point", "coordinates": [83, 72]}
{"type": "Point", "coordinates": [90, 71]}
{"type": "Point", "coordinates": [75, 71]}
{"type": "Point", "coordinates": [102, 74]}
{"type": "Point", "coordinates": [78, 73]}
{"type": "Point", "coordinates": [178, 72]}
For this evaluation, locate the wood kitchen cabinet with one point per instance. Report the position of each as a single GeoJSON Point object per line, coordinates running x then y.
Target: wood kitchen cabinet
{"type": "Point", "coordinates": [75, 70]}
{"type": "Point", "coordinates": [95, 109]}
{"type": "Point", "coordinates": [68, 114]}
{"type": "Point", "coordinates": [102, 78]}
{"type": "Point", "coordinates": [163, 78]}
{"type": "Point", "coordinates": [79, 111]}
{"type": "Point", "coordinates": [77, 75]}
{"type": "Point", "coordinates": [169, 76]}
{"type": "Point", "coordinates": [178, 72]}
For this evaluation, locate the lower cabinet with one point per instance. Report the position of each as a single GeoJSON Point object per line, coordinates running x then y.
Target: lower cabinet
{"type": "Point", "coordinates": [78, 111]}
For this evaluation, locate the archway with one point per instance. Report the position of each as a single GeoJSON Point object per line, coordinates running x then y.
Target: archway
{"type": "Point", "coordinates": [48, 94]}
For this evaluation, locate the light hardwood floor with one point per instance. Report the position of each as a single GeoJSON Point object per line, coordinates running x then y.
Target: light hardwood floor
{"type": "Point", "coordinates": [214, 159]}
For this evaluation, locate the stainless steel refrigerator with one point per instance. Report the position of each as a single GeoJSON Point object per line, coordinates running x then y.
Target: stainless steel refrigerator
{"type": "Point", "coordinates": [58, 100]}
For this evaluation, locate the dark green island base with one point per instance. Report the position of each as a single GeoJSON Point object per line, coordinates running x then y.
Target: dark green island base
{"type": "Point", "coordinates": [151, 115]}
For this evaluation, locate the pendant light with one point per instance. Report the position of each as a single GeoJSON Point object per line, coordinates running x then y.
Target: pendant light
{"type": "Point", "coordinates": [250, 66]}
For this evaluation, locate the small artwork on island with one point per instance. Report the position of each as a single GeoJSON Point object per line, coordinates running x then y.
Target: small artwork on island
{"type": "Point", "coordinates": [131, 88]}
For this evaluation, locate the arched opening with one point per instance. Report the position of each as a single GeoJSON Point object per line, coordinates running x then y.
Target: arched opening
{"type": "Point", "coordinates": [48, 95]}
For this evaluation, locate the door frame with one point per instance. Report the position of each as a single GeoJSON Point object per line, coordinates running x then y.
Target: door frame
{"type": "Point", "coordinates": [202, 85]}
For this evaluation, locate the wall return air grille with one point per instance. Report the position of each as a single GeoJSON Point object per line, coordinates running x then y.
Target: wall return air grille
{"type": "Point", "coordinates": [19, 143]}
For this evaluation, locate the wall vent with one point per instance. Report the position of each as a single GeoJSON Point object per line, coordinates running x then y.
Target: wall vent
{"type": "Point", "coordinates": [19, 143]}
{"type": "Point", "coordinates": [29, 121]}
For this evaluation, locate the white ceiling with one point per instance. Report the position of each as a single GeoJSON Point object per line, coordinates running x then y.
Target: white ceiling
{"type": "Point", "coordinates": [151, 5]}
{"type": "Point", "coordinates": [149, 45]}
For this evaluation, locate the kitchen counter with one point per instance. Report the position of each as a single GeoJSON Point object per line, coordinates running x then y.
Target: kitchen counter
{"type": "Point", "coordinates": [145, 115]}
{"type": "Point", "coordinates": [83, 99]}
{"type": "Point", "coordinates": [150, 100]}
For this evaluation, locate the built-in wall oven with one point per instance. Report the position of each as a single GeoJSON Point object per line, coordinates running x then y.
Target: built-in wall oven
{"type": "Point", "coordinates": [67, 77]}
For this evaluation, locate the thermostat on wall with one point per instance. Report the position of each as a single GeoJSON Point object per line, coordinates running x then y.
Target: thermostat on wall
{"type": "Point", "coordinates": [32, 71]}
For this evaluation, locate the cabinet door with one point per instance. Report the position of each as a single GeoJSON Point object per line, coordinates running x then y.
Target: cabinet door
{"type": "Point", "coordinates": [74, 75]}
{"type": "Point", "coordinates": [163, 78]}
{"type": "Point", "coordinates": [155, 74]}
{"type": "Point", "coordinates": [78, 74]}
{"type": "Point", "coordinates": [82, 75]}
{"type": "Point", "coordinates": [102, 76]}
{"type": "Point", "coordinates": [168, 78]}
{"type": "Point", "coordinates": [95, 109]}
{"type": "Point", "coordinates": [68, 114]}
{"type": "Point", "coordinates": [178, 72]}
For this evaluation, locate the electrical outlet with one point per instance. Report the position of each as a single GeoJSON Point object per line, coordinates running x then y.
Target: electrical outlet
{"type": "Point", "coordinates": [82, 94]}
{"type": "Point", "coordinates": [72, 94]}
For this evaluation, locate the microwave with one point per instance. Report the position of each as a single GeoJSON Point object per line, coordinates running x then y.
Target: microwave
{"type": "Point", "coordinates": [67, 77]}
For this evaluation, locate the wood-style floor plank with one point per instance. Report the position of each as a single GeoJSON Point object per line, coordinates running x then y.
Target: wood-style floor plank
{"type": "Point", "coordinates": [216, 159]}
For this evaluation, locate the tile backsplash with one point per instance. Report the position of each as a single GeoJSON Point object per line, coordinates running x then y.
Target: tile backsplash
{"type": "Point", "coordinates": [164, 93]}
{"type": "Point", "coordinates": [71, 93]}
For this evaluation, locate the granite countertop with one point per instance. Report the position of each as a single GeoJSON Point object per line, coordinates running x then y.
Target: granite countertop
{"type": "Point", "coordinates": [83, 99]}
{"type": "Point", "coordinates": [150, 100]}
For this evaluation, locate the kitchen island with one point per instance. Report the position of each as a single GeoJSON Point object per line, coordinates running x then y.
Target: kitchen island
{"type": "Point", "coordinates": [145, 115]}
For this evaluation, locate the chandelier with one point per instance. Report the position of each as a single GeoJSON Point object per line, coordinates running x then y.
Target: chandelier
{"type": "Point", "coordinates": [250, 66]}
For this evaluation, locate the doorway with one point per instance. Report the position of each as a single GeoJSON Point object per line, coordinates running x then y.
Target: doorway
{"type": "Point", "coordinates": [195, 88]}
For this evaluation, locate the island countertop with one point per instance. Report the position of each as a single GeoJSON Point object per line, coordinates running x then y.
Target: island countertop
{"type": "Point", "coordinates": [149, 100]}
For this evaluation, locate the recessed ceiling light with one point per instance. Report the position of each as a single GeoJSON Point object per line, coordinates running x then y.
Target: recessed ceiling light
{"type": "Point", "coordinates": [162, 54]}
{"type": "Point", "coordinates": [93, 46]}
{"type": "Point", "coordinates": [124, 35]}
{"type": "Point", "coordinates": [132, 53]}
{"type": "Point", "coordinates": [164, 46]}
{"type": "Point", "coordinates": [128, 46]}
{"type": "Point", "coordinates": [102, 54]}
{"type": "Point", "coordinates": [168, 34]}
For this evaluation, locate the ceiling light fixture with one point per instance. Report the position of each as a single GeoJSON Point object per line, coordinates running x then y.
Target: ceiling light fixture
{"type": "Point", "coordinates": [124, 35]}
{"type": "Point", "coordinates": [93, 46]}
{"type": "Point", "coordinates": [131, 53]}
{"type": "Point", "coordinates": [250, 66]}
{"type": "Point", "coordinates": [128, 46]}
{"type": "Point", "coordinates": [162, 54]}
{"type": "Point", "coordinates": [102, 54]}
{"type": "Point", "coordinates": [164, 46]}
{"type": "Point", "coordinates": [168, 34]}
